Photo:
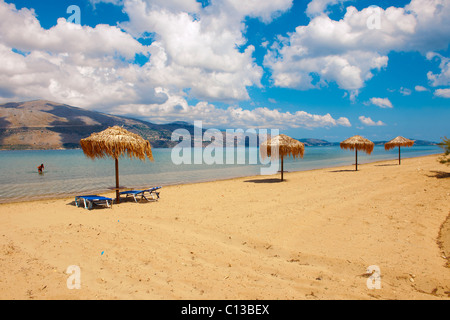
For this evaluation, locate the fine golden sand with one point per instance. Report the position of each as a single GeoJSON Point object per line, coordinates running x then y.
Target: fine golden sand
{"type": "Point", "coordinates": [312, 236]}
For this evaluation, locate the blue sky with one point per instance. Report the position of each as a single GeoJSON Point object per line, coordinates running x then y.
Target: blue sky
{"type": "Point", "coordinates": [325, 69]}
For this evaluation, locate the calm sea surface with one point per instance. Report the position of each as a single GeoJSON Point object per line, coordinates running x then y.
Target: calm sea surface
{"type": "Point", "coordinates": [70, 172]}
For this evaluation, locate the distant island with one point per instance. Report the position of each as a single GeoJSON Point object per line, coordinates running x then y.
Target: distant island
{"type": "Point", "coordinates": [42, 124]}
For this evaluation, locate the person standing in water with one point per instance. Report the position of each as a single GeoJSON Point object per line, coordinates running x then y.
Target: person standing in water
{"type": "Point", "coordinates": [41, 168]}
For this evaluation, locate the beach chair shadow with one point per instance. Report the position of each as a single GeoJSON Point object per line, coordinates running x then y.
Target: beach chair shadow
{"type": "Point", "coordinates": [96, 207]}
{"type": "Point", "coordinates": [270, 180]}
{"type": "Point", "coordinates": [386, 165]}
{"type": "Point", "coordinates": [71, 203]}
{"type": "Point", "coordinates": [439, 174]}
{"type": "Point", "coordinates": [345, 170]}
{"type": "Point", "coordinates": [135, 199]}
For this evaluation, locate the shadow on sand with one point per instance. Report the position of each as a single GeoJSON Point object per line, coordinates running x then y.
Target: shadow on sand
{"type": "Point", "coordinates": [94, 207]}
{"type": "Point", "coordinates": [271, 180]}
{"type": "Point", "coordinates": [439, 174]}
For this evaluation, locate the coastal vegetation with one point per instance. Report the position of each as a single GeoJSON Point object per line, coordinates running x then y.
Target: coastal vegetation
{"type": "Point", "coordinates": [445, 144]}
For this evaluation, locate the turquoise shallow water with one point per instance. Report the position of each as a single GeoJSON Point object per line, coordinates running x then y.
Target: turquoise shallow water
{"type": "Point", "coordinates": [69, 172]}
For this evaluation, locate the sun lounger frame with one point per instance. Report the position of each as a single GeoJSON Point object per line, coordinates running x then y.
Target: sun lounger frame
{"type": "Point", "coordinates": [152, 192]}
{"type": "Point", "coordinates": [91, 200]}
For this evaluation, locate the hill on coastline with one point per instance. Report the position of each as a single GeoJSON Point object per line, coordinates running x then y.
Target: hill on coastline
{"type": "Point", "coordinates": [42, 124]}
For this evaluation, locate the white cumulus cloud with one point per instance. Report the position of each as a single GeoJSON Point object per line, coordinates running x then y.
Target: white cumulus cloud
{"type": "Point", "coordinates": [198, 53]}
{"type": "Point", "coordinates": [381, 102]}
{"type": "Point", "coordinates": [317, 7]}
{"type": "Point", "coordinates": [195, 52]}
{"type": "Point", "coordinates": [420, 88]}
{"type": "Point", "coordinates": [369, 122]}
{"type": "Point", "coordinates": [443, 78]}
{"type": "Point", "coordinates": [79, 65]}
{"type": "Point", "coordinates": [176, 108]}
{"type": "Point", "coordinates": [265, 10]}
{"type": "Point", "coordinates": [349, 51]}
{"type": "Point", "coordinates": [443, 93]}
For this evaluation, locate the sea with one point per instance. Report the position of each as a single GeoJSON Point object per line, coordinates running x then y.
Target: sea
{"type": "Point", "coordinates": [70, 172]}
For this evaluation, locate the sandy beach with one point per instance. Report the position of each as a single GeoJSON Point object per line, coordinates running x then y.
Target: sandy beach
{"type": "Point", "coordinates": [312, 236]}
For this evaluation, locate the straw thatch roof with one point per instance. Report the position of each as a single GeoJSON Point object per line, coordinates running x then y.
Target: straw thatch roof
{"type": "Point", "coordinates": [358, 143]}
{"type": "Point", "coordinates": [398, 142]}
{"type": "Point", "coordinates": [286, 147]}
{"type": "Point", "coordinates": [115, 142]}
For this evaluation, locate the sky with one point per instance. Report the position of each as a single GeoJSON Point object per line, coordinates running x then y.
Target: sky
{"type": "Point", "coordinates": [326, 69]}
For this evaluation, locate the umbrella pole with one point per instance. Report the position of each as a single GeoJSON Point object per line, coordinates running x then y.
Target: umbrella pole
{"type": "Point", "coordinates": [281, 168]}
{"type": "Point", "coordinates": [399, 161]}
{"type": "Point", "coordinates": [356, 159]}
{"type": "Point", "coordinates": [117, 181]}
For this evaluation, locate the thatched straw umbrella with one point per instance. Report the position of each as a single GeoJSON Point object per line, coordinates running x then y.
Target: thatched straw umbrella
{"type": "Point", "coordinates": [398, 142]}
{"type": "Point", "coordinates": [358, 143]}
{"type": "Point", "coordinates": [115, 142]}
{"type": "Point", "coordinates": [281, 146]}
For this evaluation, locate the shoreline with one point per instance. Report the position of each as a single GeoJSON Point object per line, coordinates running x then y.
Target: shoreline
{"type": "Point", "coordinates": [312, 236]}
{"type": "Point", "coordinates": [104, 191]}
{"type": "Point", "coordinates": [377, 143]}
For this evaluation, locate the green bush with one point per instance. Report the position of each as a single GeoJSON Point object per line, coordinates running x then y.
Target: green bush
{"type": "Point", "coordinates": [445, 144]}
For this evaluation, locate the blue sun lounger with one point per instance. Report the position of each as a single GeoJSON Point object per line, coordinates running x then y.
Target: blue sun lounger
{"type": "Point", "coordinates": [90, 200]}
{"type": "Point", "coordinates": [152, 192]}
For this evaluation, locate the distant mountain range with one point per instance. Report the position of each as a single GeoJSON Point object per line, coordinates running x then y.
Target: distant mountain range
{"type": "Point", "coordinates": [42, 124]}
